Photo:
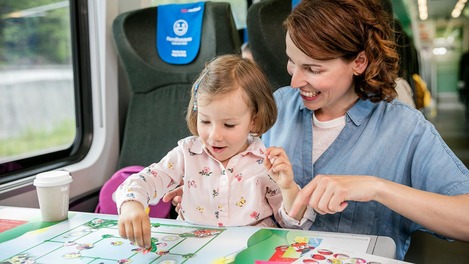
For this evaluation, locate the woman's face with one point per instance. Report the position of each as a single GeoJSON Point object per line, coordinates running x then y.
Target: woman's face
{"type": "Point", "coordinates": [326, 86]}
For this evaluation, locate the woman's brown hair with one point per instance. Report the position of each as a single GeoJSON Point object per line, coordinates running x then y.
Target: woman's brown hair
{"type": "Point", "coordinates": [225, 74]}
{"type": "Point", "coordinates": [330, 29]}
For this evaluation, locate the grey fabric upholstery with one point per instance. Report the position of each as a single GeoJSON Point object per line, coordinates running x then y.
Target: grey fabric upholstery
{"type": "Point", "coordinates": [155, 118]}
{"type": "Point", "coordinates": [266, 36]}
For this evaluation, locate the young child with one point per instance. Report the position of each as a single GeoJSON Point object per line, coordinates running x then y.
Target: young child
{"type": "Point", "coordinates": [227, 179]}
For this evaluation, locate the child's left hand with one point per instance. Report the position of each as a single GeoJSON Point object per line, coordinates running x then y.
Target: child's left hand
{"type": "Point", "coordinates": [279, 167]}
{"type": "Point", "coordinates": [280, 170]}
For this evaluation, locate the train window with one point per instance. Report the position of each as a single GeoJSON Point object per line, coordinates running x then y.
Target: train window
{"type": "Point", "coordinates": [41, 84]}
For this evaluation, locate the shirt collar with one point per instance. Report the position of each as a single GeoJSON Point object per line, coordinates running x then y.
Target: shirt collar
{"type": "Point", "coordinates": [197, 146]}
{"type": "Point", "coordinates": [360, 110]}
{"type": "Point", "coordinates": [256, 147]}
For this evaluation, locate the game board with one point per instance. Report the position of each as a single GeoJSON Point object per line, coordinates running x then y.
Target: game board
{"type": "Point", "coordinates": [330, 254]}
{"type": "Point", "coordinates": [280, 246]}
{"type": "Point", "coordinates": [98, 241]}
{"type": "Point", "coordinates": [94, 238]}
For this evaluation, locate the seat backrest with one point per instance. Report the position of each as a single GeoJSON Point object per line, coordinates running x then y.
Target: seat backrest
{"type": "Point", "coordinates": [160, 91]}
{"type": "Point", "coordinates": [266, 36]}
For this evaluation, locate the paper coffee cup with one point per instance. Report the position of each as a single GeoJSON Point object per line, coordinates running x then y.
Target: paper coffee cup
{"type": "Point", "coordinates": [53, 189]}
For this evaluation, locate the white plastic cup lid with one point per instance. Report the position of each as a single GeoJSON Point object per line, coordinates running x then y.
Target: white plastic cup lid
{"type": "Point", "coordinates": [52, 178]}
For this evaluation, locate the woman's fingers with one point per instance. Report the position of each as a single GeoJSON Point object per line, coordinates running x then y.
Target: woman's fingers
{"type": "Point", "coordinates": [319, 200]}
{"type": "Point", "coordinates": [324, 194]}
{"type": "Point", "coordinates": [169, 196]}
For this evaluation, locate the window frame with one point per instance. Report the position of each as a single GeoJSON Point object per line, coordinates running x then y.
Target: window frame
{"type": "Point", "coordinates": [79, 29]}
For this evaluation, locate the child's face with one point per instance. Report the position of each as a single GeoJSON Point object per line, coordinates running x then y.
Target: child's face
{"type": "Point", "coordinates": [224, 124]}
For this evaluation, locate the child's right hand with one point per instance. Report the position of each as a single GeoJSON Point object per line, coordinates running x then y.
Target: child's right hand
{"type": "Point", "coordinates": [134, 224]}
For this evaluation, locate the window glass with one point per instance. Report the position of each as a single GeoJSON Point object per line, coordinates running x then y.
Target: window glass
{"type": "Point", "coordinates": [238, 7]}
{"type": "Point", "coordinates": [37, 104]}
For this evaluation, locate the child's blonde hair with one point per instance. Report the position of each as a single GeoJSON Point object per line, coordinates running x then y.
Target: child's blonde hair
{"type": "Point", "coordinates": [224, 75]}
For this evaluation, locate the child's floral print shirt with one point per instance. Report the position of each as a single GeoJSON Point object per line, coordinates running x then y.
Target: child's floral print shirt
{"type": "Point", "coordinates": [240, 194]}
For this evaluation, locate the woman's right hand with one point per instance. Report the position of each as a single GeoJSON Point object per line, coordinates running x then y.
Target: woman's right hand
{"type": "Point", "coordinates": [329, 194]}
{"type": "Point", "coordinates": [175, 196]}
{"type": "Point", "coordinates": [134, 224]}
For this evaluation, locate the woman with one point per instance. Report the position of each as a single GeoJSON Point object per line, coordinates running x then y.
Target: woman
{"type": "Point", "coordinates": [366, 163]}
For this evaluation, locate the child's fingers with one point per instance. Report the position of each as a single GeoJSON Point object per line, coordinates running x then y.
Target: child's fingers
{"type": "Point", "coordinates": [280, 167]}
{"type": "Point", "coordinates": [122, 231]}
{"type": "Point", "coordinates": [129, 232]}
{"type": "Point", "coordinates": [138, 234]}
{"type": "Point", "coordinates": [279, 163]}
{"type": "Point", "coordinates": [273, 151]}
{"type": "Point", "coordinates": [146, 228]}
{"type": "Point", "coordinates": [267, 163]}
{"type": "Point", "coordinates": [276, 159]}
{"type": "Point", "coordinates": [273, 161]}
